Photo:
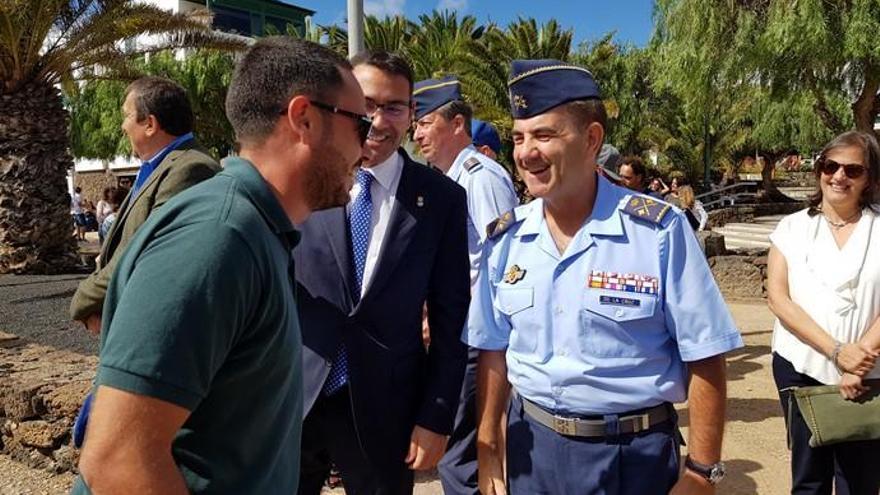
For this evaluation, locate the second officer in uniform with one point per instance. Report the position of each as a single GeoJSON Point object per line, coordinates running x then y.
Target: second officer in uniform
{"type": "Point", "coordinates": [443, 132]}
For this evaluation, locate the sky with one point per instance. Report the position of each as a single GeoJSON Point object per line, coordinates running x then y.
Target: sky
{"type": "Point", "coordinates": [590, 19]}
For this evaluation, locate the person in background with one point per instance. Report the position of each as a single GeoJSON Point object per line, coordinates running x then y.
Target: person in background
{"type": "Point", "coordinates": [485, 138]}
{"type": "Point", "coordinates": [633, 175]}
{"type": "Point", "coordinates": [823, 285]}
{"type": "Point", "coordinates": [692, 207]}
{"type": "Point", "coordinates": [658, 188]}
{"type": "Point", "coordinates": [104, 208]}
{"type": "Point", "coordinates": [76, 211]}
{"type": "Point", "coordinates": [158, 122]}
{"type": "Point", "coordinates": [444, 134]}
{"type": "Point", "coordinates": [608, 160]}
{"type": "Point", "coordinates": [114, 201]}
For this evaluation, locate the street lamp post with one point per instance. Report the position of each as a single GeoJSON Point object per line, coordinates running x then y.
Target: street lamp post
{"type": "Point", "coordinates": [355, 27]}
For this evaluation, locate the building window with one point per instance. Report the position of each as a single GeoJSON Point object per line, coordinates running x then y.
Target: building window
{"type": "Point", "coordinates": [232, 20]}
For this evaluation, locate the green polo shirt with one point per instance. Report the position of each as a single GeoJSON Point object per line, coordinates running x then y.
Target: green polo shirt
{"type": "Point", "coordinates": [201, 313]}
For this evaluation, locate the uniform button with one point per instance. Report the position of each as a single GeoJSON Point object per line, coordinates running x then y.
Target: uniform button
{"type": "Point", "coordinates": [563, 352]}
{"type": "Point", "coordinates": [557, 390]}
{"type": "Point", "coordinates": [328, 363]}
{"type": "Point", "coordinates": [557, 310]}
{"type": "Point", "coordinates": [618, 313]}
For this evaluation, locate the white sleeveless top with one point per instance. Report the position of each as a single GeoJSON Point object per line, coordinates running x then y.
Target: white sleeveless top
{"type": "Point", "coordinates": [838, 288]}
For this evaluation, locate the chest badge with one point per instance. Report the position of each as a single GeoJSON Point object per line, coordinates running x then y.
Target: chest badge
{"type": "Point", "coordinates": [514, 274]}
{"type": "Point", "coordinates": [420, 201]}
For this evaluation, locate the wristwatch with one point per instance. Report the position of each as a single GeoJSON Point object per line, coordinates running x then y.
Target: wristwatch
{"type": "Point", "coordinates": [713, 473]}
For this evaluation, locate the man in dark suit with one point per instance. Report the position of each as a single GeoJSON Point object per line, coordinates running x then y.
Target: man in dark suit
{"type": "Point", "coordinates": [379, 404]}
{"type": "Point", "coordinates": [158, 121]}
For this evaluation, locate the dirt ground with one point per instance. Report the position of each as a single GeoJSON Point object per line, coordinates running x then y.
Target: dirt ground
{"type": "Point", "coordinates": [754, 444]}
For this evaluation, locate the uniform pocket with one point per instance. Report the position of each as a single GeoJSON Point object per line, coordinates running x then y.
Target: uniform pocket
{"type": "Point", "coordinates": [619, 306]}
{"type": "Point", "coordinates": [512, 300]}
{"type": "Point", "coordinates": [517, 303]}
{"type": "Point", "coordinates": [619, 324]}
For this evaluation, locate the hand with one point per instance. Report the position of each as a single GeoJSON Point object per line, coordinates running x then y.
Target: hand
{"type": "Point", "coordinates": [93, 323]}
{"type": "Point", "coordinates": [490, 472]}
{"type": "Point", "coordinates": [691, 483]}
{"type": "Point", "coordinates": [855, 359]}
{"type": "Point", "coordinates": [426, 448]}
{"type": "Point", "coordinates": [851, 386]}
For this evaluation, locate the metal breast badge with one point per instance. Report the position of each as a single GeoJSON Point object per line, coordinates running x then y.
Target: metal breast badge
{"type": "Point", "coordinates": [514, 274]}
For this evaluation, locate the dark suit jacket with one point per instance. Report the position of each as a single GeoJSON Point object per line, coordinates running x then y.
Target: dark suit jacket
{"type": "Point", "coordinates": [394, 382]}
{"type": "Point", "coordinates": [182, 168]}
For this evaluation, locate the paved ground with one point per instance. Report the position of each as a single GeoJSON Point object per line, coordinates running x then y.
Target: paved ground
{"type": "Point", "coordinates": [35, 309]}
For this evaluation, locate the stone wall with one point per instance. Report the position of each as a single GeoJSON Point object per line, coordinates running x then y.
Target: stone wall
{"type": "Point", "coordinates": [41, 389]}
{"type": "Point", "coordinates": [93, 183]}
{"type": "Point", "coordinates": [747, 213]}
{"type": "Point", "coordinates": [741, 276]}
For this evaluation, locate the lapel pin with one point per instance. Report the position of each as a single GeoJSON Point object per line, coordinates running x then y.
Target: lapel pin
{"type": "Point", "coordinates": [514, 274]}
{"type": "Point", "coordinates": [420, 201]}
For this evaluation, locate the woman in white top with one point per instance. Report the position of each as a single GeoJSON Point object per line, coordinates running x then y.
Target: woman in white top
{"type": "Point", "coordinates": [824, 288]}
{"type": "Point", "coordinates": [104, 206]}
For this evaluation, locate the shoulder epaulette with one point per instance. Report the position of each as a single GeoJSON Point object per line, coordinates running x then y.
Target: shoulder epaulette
{"type": "Point", "coordinates": [646, 208]}
{"type": "Point", "coordinates": [501, 224]}
{"type": "Point", "coordinates": [472, 164]}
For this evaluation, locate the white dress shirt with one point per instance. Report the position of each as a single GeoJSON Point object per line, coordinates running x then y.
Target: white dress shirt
{"type": "Point", "coordinates": [383, 191]}
{"type": "Point", "coordinates": [838, 288]}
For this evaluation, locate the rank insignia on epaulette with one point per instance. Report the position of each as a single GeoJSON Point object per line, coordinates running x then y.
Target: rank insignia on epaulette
{"type": "Point", "coordinates": [471, 164]}
{"type": "Point", "coordinates": [646, 208]}
{"type": "Point", "coordinates": [514, 274]}
{"type": "Point", "coordinates": [500, 225]}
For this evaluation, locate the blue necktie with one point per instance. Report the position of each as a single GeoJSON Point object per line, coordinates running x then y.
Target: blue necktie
{"type": "Point", "coordinates": [359, 225]}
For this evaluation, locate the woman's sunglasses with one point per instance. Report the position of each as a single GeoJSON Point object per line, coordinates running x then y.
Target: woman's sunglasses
{"type": "Point", "coordinates": [830, 167]}
{"type": "Point", "coordinates": [363, 122]}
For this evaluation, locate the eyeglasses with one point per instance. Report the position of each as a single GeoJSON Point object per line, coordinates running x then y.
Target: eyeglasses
{"type": "Point", "coordinates": [830, 167]}
{"type": "Point", "coordinates": [363, 122]}
{"type": "Point", "coordinates": [393, 111]}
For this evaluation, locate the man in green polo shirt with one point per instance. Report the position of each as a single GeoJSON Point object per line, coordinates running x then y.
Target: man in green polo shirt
{"type": "Point", "coordinates": [199, 387]}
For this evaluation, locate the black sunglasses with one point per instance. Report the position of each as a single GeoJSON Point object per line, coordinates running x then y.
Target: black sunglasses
{"type": "Point", "coordinates": [830, 167]}
{"type": "Point", "coordinates": [363, 122]}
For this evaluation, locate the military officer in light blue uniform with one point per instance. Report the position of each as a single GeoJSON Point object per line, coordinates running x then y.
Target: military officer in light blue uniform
{"type": "Point", "coordinates": [598, 307]}
{"type": "Point", "coordinates": [444, 133]}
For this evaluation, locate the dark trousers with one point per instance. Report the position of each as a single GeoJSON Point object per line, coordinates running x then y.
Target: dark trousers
{"type": "Point", "coordinates": [458, 468]}
{"type": "Point", "coordinates": [329, 436]}
{"type": "Point", "coordinates": [854, 467]}
{"type": "Point", "coordinates": [541, 461]}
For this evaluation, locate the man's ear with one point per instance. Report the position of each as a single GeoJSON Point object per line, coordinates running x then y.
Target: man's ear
{"type": "Point", "coordinates": [595, 138]}
{"type": "Point", "coordinates": [152, 125]}
{"type": "Point", "coordinates": [300, 118]}
{"type": "Point", "coordinates": [458, 124]}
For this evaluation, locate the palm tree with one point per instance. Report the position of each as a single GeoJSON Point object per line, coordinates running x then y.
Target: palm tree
{"type": "Point", "coordinates": [43, 44]}
{"type": "Point", "coordinates": [391, 34]}
{"type": "Point", "coordinates": [485, 63]}
{"type": "Point", "coordinates": [439, 43]}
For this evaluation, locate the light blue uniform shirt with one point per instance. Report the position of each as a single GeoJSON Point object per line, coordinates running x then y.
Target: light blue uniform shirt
{"type": "Point", "coordinates": [576, 349]}
{"type": "Point", "coordinates": [489, 194]}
